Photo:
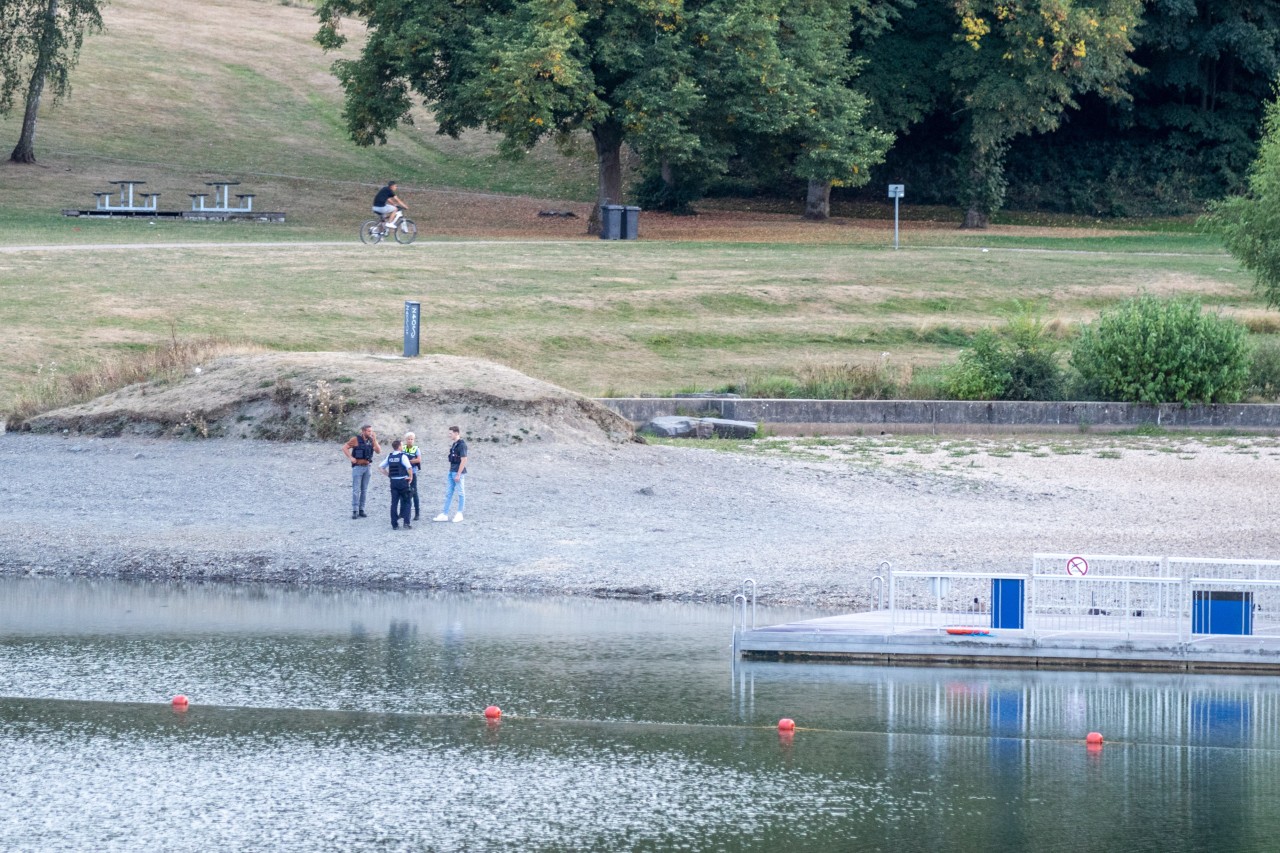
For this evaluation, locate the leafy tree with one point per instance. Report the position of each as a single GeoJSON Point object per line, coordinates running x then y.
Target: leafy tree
{"type": "Point", "coordinates": [1018, 67]}
{"type": "Point", "coordinates": [1151, 350]}
{"type": "Point", "coordinates": [1188, 135]}
{"type": "Point", "coordinates": [835, 145]}
{"type": "Point", "coordinates": [665, 76]}
{"type": "Point", "coordinates": [1209, 68]}
{"type": "Point", "coordinates": [40, 43]}
{"type": "Point", "coordinates": [1250, 224]}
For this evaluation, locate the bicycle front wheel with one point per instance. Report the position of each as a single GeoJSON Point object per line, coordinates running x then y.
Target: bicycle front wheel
{"type": "Point", "coordinates": [369, 233]}
{"type": "Point", "coordinates": [406, 231]}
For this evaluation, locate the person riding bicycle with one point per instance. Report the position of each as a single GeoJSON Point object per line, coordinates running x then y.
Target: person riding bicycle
{"type": "Point", "coordinates": [386, 203]}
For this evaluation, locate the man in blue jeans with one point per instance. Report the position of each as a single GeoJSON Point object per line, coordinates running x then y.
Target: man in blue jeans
{"type": "Point", "coordinates": [457, 473]}
{"type": "Point", "coordinates": [360, 451]}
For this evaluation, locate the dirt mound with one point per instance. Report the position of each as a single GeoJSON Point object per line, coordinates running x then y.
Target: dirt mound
{"type": "Point", "coordinates": [326, 395]}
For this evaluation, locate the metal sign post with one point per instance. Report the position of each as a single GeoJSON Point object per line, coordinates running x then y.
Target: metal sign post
{"type": "Point", "coordinates": [412, 328]}
{"type": "Point", "coordinates": [895, 193]}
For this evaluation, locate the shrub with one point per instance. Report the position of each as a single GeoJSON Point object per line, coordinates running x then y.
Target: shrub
{"type": "Point", "coordinates": [1151, 350]}
{"type": "Point", "coordinates": [983, 370]}
{"type": "Point", "coordinates": [1018, 363]}
{"type": "Point", "coordinates": [325, 409]}
{"type": "Point", "coordinates": [1264, 371]}
{"type": "Point", "coordinates": [877, 381]}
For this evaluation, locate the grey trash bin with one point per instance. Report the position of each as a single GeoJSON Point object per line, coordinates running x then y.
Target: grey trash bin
{"type": "Point", "coordinates": [630, 223]}
{"type": "Point", "coordinates": [611, 221]}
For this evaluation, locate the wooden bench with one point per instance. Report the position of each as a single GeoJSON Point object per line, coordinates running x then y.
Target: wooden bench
{"type": "Point", "coordinates": [246, 200]}
{"type": "Point", "coordinates": [100, 200]}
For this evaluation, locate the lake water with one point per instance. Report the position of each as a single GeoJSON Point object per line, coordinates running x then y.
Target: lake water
{"type": "Point", "coordinates": [353, 721]}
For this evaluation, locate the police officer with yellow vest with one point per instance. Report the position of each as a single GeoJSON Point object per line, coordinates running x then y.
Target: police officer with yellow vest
{"type": "Point", "coordinates": [415, 457]}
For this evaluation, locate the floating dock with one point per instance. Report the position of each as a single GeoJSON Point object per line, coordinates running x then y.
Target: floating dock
{"type": "Point", "coordinates": [1067, 611]}
{"type": "Point", "coordinates": [871, 638]}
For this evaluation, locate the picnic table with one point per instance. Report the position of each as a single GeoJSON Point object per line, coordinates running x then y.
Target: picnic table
{"type": "Point", "coordinates": [222, 193]}
{"type": "Point", "coordinates": [126, 197]}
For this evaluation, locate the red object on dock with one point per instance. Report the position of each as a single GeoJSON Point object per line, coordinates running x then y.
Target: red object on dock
{"type": "Point", "coordinates": [786, 724]}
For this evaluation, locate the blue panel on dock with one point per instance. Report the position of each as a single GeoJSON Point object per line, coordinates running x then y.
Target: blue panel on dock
{"type": "Point", "coordinates": [1007, 595]}
{"type": "Point", "coordinates": [1221, 612]}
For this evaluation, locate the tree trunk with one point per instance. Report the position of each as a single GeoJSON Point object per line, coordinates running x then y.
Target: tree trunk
{"type": "Point", "coordinates": [25, 151]}
{"type": "Point", "coordinates": [983, 186]}
{"type": "Point", "coordinates": [608, 139]}
{"type": "Point", "coordinates": [817, 204]}
{"type": "Point", "coordinates": [975, 218]}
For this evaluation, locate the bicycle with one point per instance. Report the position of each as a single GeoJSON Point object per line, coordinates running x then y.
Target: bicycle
{"type": "Point", "coordinates": [374, 231]}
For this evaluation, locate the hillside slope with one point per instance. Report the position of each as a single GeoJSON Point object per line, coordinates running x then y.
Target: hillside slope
{"type": "Point", "coordinates": [176, 93]}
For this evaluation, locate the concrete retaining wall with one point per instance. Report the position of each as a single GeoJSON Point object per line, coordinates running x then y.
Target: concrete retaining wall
{"type": "Point", "coordinates": [906, 415]}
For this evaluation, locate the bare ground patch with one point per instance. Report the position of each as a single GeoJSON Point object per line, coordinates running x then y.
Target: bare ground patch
{"type": "Point", "coordinates": [327, 395]}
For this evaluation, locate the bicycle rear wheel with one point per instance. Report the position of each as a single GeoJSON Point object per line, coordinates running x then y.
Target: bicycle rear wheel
{"type": "Point", "coordinates": [406, 231]}
{"type": "Point", "coordinates": [369, 233]}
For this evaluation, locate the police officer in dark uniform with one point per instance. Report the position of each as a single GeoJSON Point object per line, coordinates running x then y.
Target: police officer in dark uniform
{"type": "Point", "coordinates": [398, 468]}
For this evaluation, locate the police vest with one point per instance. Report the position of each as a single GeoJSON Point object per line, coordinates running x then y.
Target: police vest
{"type": "Point", "coordinates": [363, 448]}
{"type": "Point", "coordinates": [396, 466]}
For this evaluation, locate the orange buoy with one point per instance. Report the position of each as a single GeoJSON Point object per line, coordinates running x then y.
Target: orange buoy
{"type": "Point", "coordinates": [493, 712]}
{"type": "Point", "coordinates": [1093, 738]}
{"type": "Point", "coordinates": [180, 701]}
{"type": "Point", "coordinates": [786, 724]}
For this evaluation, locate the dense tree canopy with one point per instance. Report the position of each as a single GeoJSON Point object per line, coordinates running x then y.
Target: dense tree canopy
{"type": "Point", "coordinates": [1105, 107]}
{"type": "Point", "coordinates": [666, 76]}
{"type": "Point", "coordinates": [1021, 66]}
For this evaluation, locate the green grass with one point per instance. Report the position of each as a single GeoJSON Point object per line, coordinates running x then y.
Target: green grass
{"type": "Point", "coordinates": [587, 315]}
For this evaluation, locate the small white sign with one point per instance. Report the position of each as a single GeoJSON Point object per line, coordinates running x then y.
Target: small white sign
{"type": "Point", "coordinates": [896, 191]}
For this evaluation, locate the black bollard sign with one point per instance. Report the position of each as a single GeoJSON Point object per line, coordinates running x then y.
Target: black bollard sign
{"type": "Point", "coordinates": [412, 328]}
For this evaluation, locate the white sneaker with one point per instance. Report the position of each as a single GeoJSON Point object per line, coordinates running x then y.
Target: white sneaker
{"type": "Point", "coordinates": [441, 517]}
{"type": "Point", "coordinates": [457, 517]}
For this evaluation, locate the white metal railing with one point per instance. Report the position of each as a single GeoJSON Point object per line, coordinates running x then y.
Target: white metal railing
{"type": "Point", "coordinates": [942, 599]}
{"type": "Point", "coordinates": [1184, 598]}
{"type": "Point", "coordinates": [744, 611]}
{"type": "Point", "coordinates": [1084, 565]}
{"type": "Point", "coordinates": [1113, 604]}
{"type": "Point", "coordinates": [1099, 594]}
{"type": "Point", "coordinates": [1206, 567]}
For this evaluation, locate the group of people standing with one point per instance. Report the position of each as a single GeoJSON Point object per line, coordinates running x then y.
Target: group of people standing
{"type": "Point", "coordinates": [402, 465]}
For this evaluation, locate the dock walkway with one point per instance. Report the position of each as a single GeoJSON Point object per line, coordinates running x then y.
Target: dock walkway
{"type": "Point", "coordinates": [876, 637]}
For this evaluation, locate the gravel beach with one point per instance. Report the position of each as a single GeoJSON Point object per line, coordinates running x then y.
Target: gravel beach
{"type": "Point", "coordinates": [811, 522]}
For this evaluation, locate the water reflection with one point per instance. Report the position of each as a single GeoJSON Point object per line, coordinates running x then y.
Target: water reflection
{"type": "Point", "coordinates": [351, 721]}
